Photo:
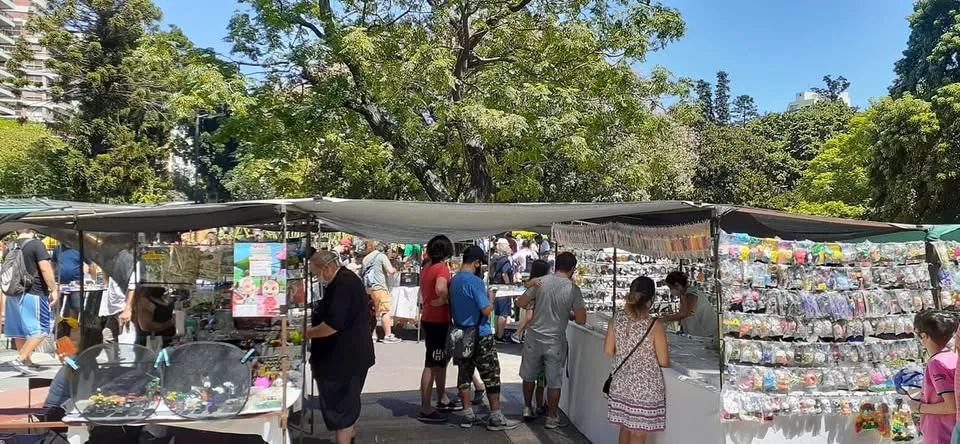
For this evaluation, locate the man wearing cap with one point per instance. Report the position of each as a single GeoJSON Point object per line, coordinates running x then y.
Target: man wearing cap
{"type": "Point", "coordinates": [471, 306]}
{"type": "Point", "coordinates": [376, 266]}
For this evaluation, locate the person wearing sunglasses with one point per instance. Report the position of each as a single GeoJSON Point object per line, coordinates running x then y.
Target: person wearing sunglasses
{"type": "Point", "coordinates": [937, 406]}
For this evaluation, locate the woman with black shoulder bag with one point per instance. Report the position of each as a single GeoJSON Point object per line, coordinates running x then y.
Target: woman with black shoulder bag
{"type": "Point", "coordinates": [635, 388]}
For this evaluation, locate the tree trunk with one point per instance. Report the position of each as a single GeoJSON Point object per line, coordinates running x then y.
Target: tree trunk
{"type": "Point", "coordinates": [481, 184]}
{"type": "Point", "coordinates": [385, 129]}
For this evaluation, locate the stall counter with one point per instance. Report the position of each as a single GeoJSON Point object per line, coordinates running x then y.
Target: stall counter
{"type": "Point", "coordinates": [830, 429]}
{"type": "Point", "coordinates": [692, 383]}
{"type": "Point", "coordinates": [251, 421]}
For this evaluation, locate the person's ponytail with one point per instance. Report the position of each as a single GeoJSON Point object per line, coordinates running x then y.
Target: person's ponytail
{"type": "Point", "coordinates": [642, 293]}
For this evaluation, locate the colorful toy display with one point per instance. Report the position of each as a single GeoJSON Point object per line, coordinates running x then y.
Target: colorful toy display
{"type": "Point", "coordinates": [901, 423]}
{"type": "Point", "coordinates": [206, 400]}
{"type": "Point", "coordinates": [818, 327]}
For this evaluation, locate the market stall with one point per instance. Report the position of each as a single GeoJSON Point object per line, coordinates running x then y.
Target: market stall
{"type": "Point", "coordinates": [664, 236]}
{"type": "Point", "coordinates": [605, 269]}
{"type": "Point", "coordinates": [815, 332]}
{"type": "Point", "coordinates": [230, 367]}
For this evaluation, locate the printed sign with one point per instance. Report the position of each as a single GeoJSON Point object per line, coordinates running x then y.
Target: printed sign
{"type": "Point", "coordinates": [259, 279]}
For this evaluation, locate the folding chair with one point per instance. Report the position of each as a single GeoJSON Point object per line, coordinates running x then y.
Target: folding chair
{"type": "Point", "coordinates": [33, 384]}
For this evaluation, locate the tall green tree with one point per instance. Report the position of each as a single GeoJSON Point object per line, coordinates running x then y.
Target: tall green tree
{"type": "Point", "coordinates": [932, 57]}
{"type": "Point", "coordinates": [29, 161]}
{"type": "Point", "coordinates": [915, 158]}
{"type": "Point", "coordinates": [722, 104]}
{"type": "Point", "coordinates": [132, 84]}
{"type": "Point", "coordinates": [737, 166]}
{"type": "Point", "coordinates": [744, 109]}
{"type": "Point", "coordinates": [836, 182]}
{"type": "Point", "coordinates": [834, 88]}
{"type": "Point", "coordinates": [802, 133]}
{"type": "Point", "coordinates": [473, 100]}
{"type": "Point", "coordinates": [704, 93]}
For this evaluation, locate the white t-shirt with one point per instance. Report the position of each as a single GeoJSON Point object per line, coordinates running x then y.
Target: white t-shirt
{"type": "Point", "coordinates": [520, 258]}
{"type": "Point", "coordinates": [114, 299]}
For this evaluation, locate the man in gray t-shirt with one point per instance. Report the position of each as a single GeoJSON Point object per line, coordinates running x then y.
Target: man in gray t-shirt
{"type": "Point", "coordinates": [558, 300]}
{"type": "Point", "coordinates": [376, 267]}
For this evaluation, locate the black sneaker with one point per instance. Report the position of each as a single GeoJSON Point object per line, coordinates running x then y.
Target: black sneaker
{"type": "Point", "coordinates": [453, 406]}
{"type": "Point", "coordinates": [433, 417]}
{"type": "Point", "coordinates": [478, 396]}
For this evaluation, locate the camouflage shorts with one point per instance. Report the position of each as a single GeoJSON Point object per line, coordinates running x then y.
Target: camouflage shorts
{"type": "Point", "coordinates": [485, 361]}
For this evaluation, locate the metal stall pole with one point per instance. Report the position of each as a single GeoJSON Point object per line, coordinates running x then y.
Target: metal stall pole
{"type": "Point", "coordinates": [307, 303]}
{"type": "Point", "coordinates": [83, 294]}
{"type": "Point", "coordinates": [934, 264]}
{"type": "Point", "coordinates": [717, 291]}
{"type": "Point", "coordinates": [420, 299]}
{"type": "Point", "coordinates": [614, 281]}
{"type": "Point", "coordinates": [284, 360]}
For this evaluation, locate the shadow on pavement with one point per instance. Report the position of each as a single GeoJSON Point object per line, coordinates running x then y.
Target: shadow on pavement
{"type": "Point", "coordinates": [391, 418]}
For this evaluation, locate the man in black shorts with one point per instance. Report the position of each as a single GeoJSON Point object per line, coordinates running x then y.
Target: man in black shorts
{"type": "Point", "coordinates": [434, 289]}
{"type": "Point", "coordinates": [340, 351]}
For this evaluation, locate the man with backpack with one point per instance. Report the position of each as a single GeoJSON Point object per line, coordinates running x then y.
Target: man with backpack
{"type": "Point", "coordinates": [27, 280]}
{"type": "Point", "coordinates": [376, 267]}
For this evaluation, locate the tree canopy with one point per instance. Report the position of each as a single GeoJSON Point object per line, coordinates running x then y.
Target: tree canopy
{"type": "Point", "coordinates": [132, 85]}
{"type": "Point", "coordinates": [468, 100]}
{"type": "Point", "coordinates": [465, 100]}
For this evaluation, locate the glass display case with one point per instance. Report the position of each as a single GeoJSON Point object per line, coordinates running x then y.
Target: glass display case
{"type": "Point", "coordinates": [206, 380]}
{"type": "Point", "coordinates": [116, 384]}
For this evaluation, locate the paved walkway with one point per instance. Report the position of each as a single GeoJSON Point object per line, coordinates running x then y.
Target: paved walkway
{"type": "Point", "coordinates": [13, 386]}
{"type": "Point", "coordinates": [391, 403]}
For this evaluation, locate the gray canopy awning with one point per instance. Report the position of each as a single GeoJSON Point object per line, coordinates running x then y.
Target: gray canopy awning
{"type": "Point", "coordinates": [418, 221]}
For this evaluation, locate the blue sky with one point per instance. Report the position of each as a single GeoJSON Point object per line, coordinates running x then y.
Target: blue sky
{"type": "Point", "coordinates": [771, 48]}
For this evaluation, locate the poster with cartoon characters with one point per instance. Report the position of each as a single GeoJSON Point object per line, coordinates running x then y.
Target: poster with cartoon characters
{"type": "Point", "coordinates": [259, 279]}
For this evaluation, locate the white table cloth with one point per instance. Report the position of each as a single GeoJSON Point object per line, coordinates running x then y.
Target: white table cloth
{"type": "Point", "coordinates": [405, 302]}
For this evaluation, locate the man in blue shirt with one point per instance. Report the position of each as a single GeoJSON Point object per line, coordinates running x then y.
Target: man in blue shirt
{"type": "Point", "coordinates": [67, 264]}
{"type": "Point", "coordinates": [471, 306]}
{"type": "Point", "coordinates": [69, 268]}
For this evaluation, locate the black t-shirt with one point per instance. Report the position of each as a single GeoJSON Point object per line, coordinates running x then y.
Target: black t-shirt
{"type": "Point", "coordinates": [344, 307]}
{"type": "Point", "coordinates": [33, 253]}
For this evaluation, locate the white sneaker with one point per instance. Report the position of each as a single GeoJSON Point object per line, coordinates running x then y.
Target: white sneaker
{"type": "Point", "coordinates": [516, 339]}
{"type": "Point", "coordinates": [554, 422]}
{"type": "Point", "coordinates": [500, 423]}
{"type": "Point", "coordinates": [391, 340]}
{"type": "Point", "coordinates": [469, 421]}
{"type": "Point", "coordinates": [528, 414]}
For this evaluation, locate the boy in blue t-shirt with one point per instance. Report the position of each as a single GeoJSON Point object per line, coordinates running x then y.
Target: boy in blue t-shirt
{"type": "Point", "coordinates": [471, 306]}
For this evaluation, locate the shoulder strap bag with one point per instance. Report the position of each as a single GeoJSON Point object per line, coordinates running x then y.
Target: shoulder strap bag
{"type": "Point", "coordinates": [606, 385]}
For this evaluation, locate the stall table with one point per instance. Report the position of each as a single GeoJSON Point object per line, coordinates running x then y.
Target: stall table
{"type": "Point", "coordinates": [405, 302]}
{"type": "Point", "coordinates": [692, 384]}
{"type": "Point", "coordinates": [251, 421]}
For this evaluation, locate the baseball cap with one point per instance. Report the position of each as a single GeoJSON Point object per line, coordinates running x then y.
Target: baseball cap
{"type": "Point", "coordinates": [474, 253]}
{"type": "Point", "coordinates": [346, 242]}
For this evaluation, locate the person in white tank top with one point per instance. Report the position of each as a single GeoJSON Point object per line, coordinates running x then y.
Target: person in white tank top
{"type": "Point", "coordinates": [697, 317]}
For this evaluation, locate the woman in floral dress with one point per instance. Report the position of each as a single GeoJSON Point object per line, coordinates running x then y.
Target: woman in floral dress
{"type": "Point", "coordinates": [637, 398]}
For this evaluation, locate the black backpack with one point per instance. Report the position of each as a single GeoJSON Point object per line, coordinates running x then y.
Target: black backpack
{"type": "Point", "coordinates": [14, 280]}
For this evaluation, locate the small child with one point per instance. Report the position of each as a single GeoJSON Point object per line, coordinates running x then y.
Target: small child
{"type": "Point", "coordinates": [937, 406]}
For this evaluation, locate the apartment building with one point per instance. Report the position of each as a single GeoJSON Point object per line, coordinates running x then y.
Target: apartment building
{"type": "Point", "coordinates": [35, 102]}
{"type": "Point", "coordinates": [807, 98]}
